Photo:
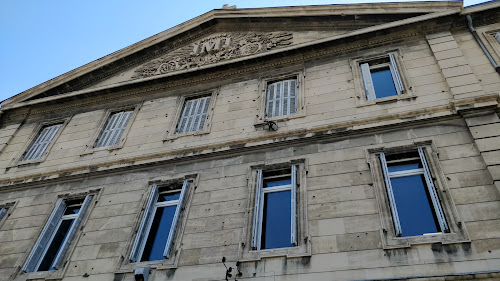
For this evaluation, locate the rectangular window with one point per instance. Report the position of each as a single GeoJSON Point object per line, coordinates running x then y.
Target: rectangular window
{"type": "Point", "coordinates": [57, 234]}
{"type": "Point", "coordinates": [414, 203]}
{"type": "Point", "coordinates": [281, 98]}
{"type": "Point", "coordinates": [194, 114]}
{"type": "Point", "coordinates": [156, 232]}
{"type": "Point", "coordinates": [41, 142]}
{"type": "Point", "coordinates": [275, 213]}
{"type": "Point", "coordinates": [113, 129]}
{"type": "Point", "coordinates": [381, 78]}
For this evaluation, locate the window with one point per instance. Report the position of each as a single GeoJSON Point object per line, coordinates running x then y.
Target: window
{"type": "Point", "coordinates": [381, 78]}
{"type": "Point", "coordinates": [3, 212]}
{"type": "Point", "coordinates": [42, 141]}
{"type": "Point", "coordinates": [53, 243]}
{"type": "Point", "coordinates": [281, 98]}
{"type": "Point", "coordinates": [414, 203]}
{"type": "Point", "coordinates": [194, 114]}
{"type": "Point", "coordinates": [275, 213]}
{"type": "Point", "coordinates": [115, 126]}
{"type": "Point", "coordinates": [159, 223]}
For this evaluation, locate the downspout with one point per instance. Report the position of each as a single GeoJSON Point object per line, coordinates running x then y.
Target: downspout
{"type": "Point", "coordinates": [480, 42]}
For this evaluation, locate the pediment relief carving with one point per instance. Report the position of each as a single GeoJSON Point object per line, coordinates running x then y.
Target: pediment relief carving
{"type": "Point", "coordinates": [213, 49]}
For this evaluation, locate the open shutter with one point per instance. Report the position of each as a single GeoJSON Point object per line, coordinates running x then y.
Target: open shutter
{"type": "Point", "coordinates": [120, 127]}
{"type": "Point", "coordinates": [270, 100]}
{"type": "Point", "coordinates": [390, 195]}
{"type": "Point", "coordinates": [44, 238]}
{"type": "Point", "coordinates": [175, 220]}
{"type": "Point", "coordinates": [257, 212]}
{"type": "Point", "coordinates": [147, 217]}
{"type": "Point", "coordinates": [41, 143]}
{"type": "Point", "coordinates": [395, 75]}
{"type": "Point", "coordinates": [432, 191]}
{"type": "Point", "coordinates": [71, 233]}
{"type": "Point", "coordinates": [3, 211]}
{"type": "Point", "coordinates": [367, 81]}
{"type": "Point", "coordinates": [293, 216]}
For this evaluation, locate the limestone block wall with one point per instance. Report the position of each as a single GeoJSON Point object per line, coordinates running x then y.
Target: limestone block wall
{"type": "Point", "coordinates": [343, 214]}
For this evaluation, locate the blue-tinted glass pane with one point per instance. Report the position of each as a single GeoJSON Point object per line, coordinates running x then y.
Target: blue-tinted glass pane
{"type": "Point", "coordinates": [55, 246]}
{"type": "Point", "coordinates": [279, 182]}
{"type": "Point", "coordinates": [169, 197]}
{"type": "Point", "coordinates": [415, 211]}
{"type": "Point", "coordinates": [158, 234]}
{"type": "Point", "coordinates": [276, 225]}
{"type": "Point", "coordinates": [403, 166]}
{"type": "Point", "coordinates": [383, 83]}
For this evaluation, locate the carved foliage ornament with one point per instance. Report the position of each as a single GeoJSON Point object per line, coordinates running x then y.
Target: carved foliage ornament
{"type": "Point", "coordinates": [214, 49]}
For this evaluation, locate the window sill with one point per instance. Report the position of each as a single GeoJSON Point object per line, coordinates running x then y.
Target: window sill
{"type": "Point", "coordinates": [407, 242]}
{"type": "Point", "coordinates": [171, 137]}
{"type": "Point", "coordinates": [278, 119]}
{"type": "Point", "coordinates": [392, 99]}
{"type": "Point", "coordinates": [41, 275]}
{"type": "Point", "coordinates": [158, 265]}
{"type": "Point", "coordinates": [106, 148]}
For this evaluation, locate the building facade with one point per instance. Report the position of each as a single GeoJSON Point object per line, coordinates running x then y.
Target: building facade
{"type": "Point", "coordinates": [337, 142]}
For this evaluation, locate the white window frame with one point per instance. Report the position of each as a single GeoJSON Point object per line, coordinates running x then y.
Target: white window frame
{"type": "Point", "coordinates": [299, 234]}
{"type": "Point", "coordinates": [38, 129]}
{"type": "Point", "coordinates": [448, 219]}
{"type": "Point", "coordinates": [365, 92]}
{"type": "Point", "coordinates": [264, 84]}
{"type": "Point", "coordinates": [92, 147]}
{"type": "Point", "coordinates": [144, 223]}
{"type": "Point", "coordinates": [173, 133]}
{"type": "Point", "coordinates": [50, 228]}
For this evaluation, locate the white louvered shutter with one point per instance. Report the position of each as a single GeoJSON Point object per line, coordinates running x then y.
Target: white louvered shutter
{"type": "Point", "coordinates": [293, 222]}
{"type": "Point", "coordinates": [44, 238]}
{"type": "Point", "coordinates": [390, 194]}
{"type": "Point", "coordinates": [41, 142]}
{"type": "Point", "coordinates": [175, 221]}
{"type": "Point", "coordinates": [143, 231]}
{"type": "Point", "coordinates": [432, 191]}
{"type": "Point", "coordinates": [257, 212]}
{"type": "Point", "coordinates": [3, 211]}
{"type": "Point", "coordinates": [367, 81]}
{"type": "Point", "coordinates": [281, 98]}
{"type": "Point", "coordinates": [193, 115]}
{"type": "Point", "coordinates": [396, 77]}
{"type": "Point", "coordinates": [114, 128]}
{"type": "Point", "coordinates": [72, 231]}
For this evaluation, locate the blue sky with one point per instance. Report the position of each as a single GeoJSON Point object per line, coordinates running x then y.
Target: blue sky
{"type": "Point", "coordinates": [40, 40]}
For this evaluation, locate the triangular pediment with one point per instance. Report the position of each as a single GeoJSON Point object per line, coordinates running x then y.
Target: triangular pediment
{"type": "Point", "coordinates": [227, 36]}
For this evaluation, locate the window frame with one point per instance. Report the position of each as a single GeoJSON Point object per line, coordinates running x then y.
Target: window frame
{"type": "Point", "coordinates": [8, 207]}
{"type": "Point", "coordinates": [126, 264]}
{"type": "Point", "coordinates": [172, 134]}
{"type": "Point", "coordinates": [248, 251]}
{"type": "Point", "coordinates": [398, 73]}
{"type": "Point", "coordinates": [390, 239]}
{"type": "Point", "coordinates": [90, 147]}
{"type": "Point", "coordinates": [493, 38]}
{"type": "Point", "coordinates": [18, 160]}
{"type": "Point", "coordinates": [263, 87]}
{"type": "Point", "coordinates": [70, 246]}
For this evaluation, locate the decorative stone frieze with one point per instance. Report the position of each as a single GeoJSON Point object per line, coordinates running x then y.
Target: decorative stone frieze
{"type": "Point", "coordinates": [213, 49]}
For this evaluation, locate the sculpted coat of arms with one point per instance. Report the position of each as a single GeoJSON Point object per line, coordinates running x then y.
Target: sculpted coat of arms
{"type": "Point", "coordinates": [214, 49]}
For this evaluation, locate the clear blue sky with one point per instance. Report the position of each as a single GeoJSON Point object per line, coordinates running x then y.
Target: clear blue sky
{"type": "Point", "coordinates": [40, 40]}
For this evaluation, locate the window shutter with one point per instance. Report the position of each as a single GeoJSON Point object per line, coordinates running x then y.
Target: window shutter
{"type": "Point", "coordinates": [71, 233]}
{"type": "Point", "coordinates": [270, 100]}
{"type": "Point", "coordinates": [3, 211]}
{"type": "Point", "coordinates": [432, 191]}
{"type": "Point", "coordinates": [41, 142]}
{"type": "Point", "coordinates": [256, 229]}
{"type": "Point", "coordinates": [294, 206]}
{"type": "Point", "coordinates": [390, 194]}
{"type": "Point", "coordinates": [292, 105]}
{"type": "Point", "coordinates": [193, 115]}
{"type": "Point", "coordinates": [497, 36]}
{"type": "Point", "coordinates": [367, 81]}
{"type": "Point", "coordinates": [44, 238]}
{"type": "Point", "coordinates": [143, 230]}
{"type": "Point", "coordinates": [114, 128]}
{"type": "Point", "coordinates": [175, 220]}
{"type": "Point", "coordinates": [395, 75]}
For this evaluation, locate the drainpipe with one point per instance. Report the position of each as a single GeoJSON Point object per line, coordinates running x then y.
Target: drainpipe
{"type": "Point", "coordinates": [478, 40]}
